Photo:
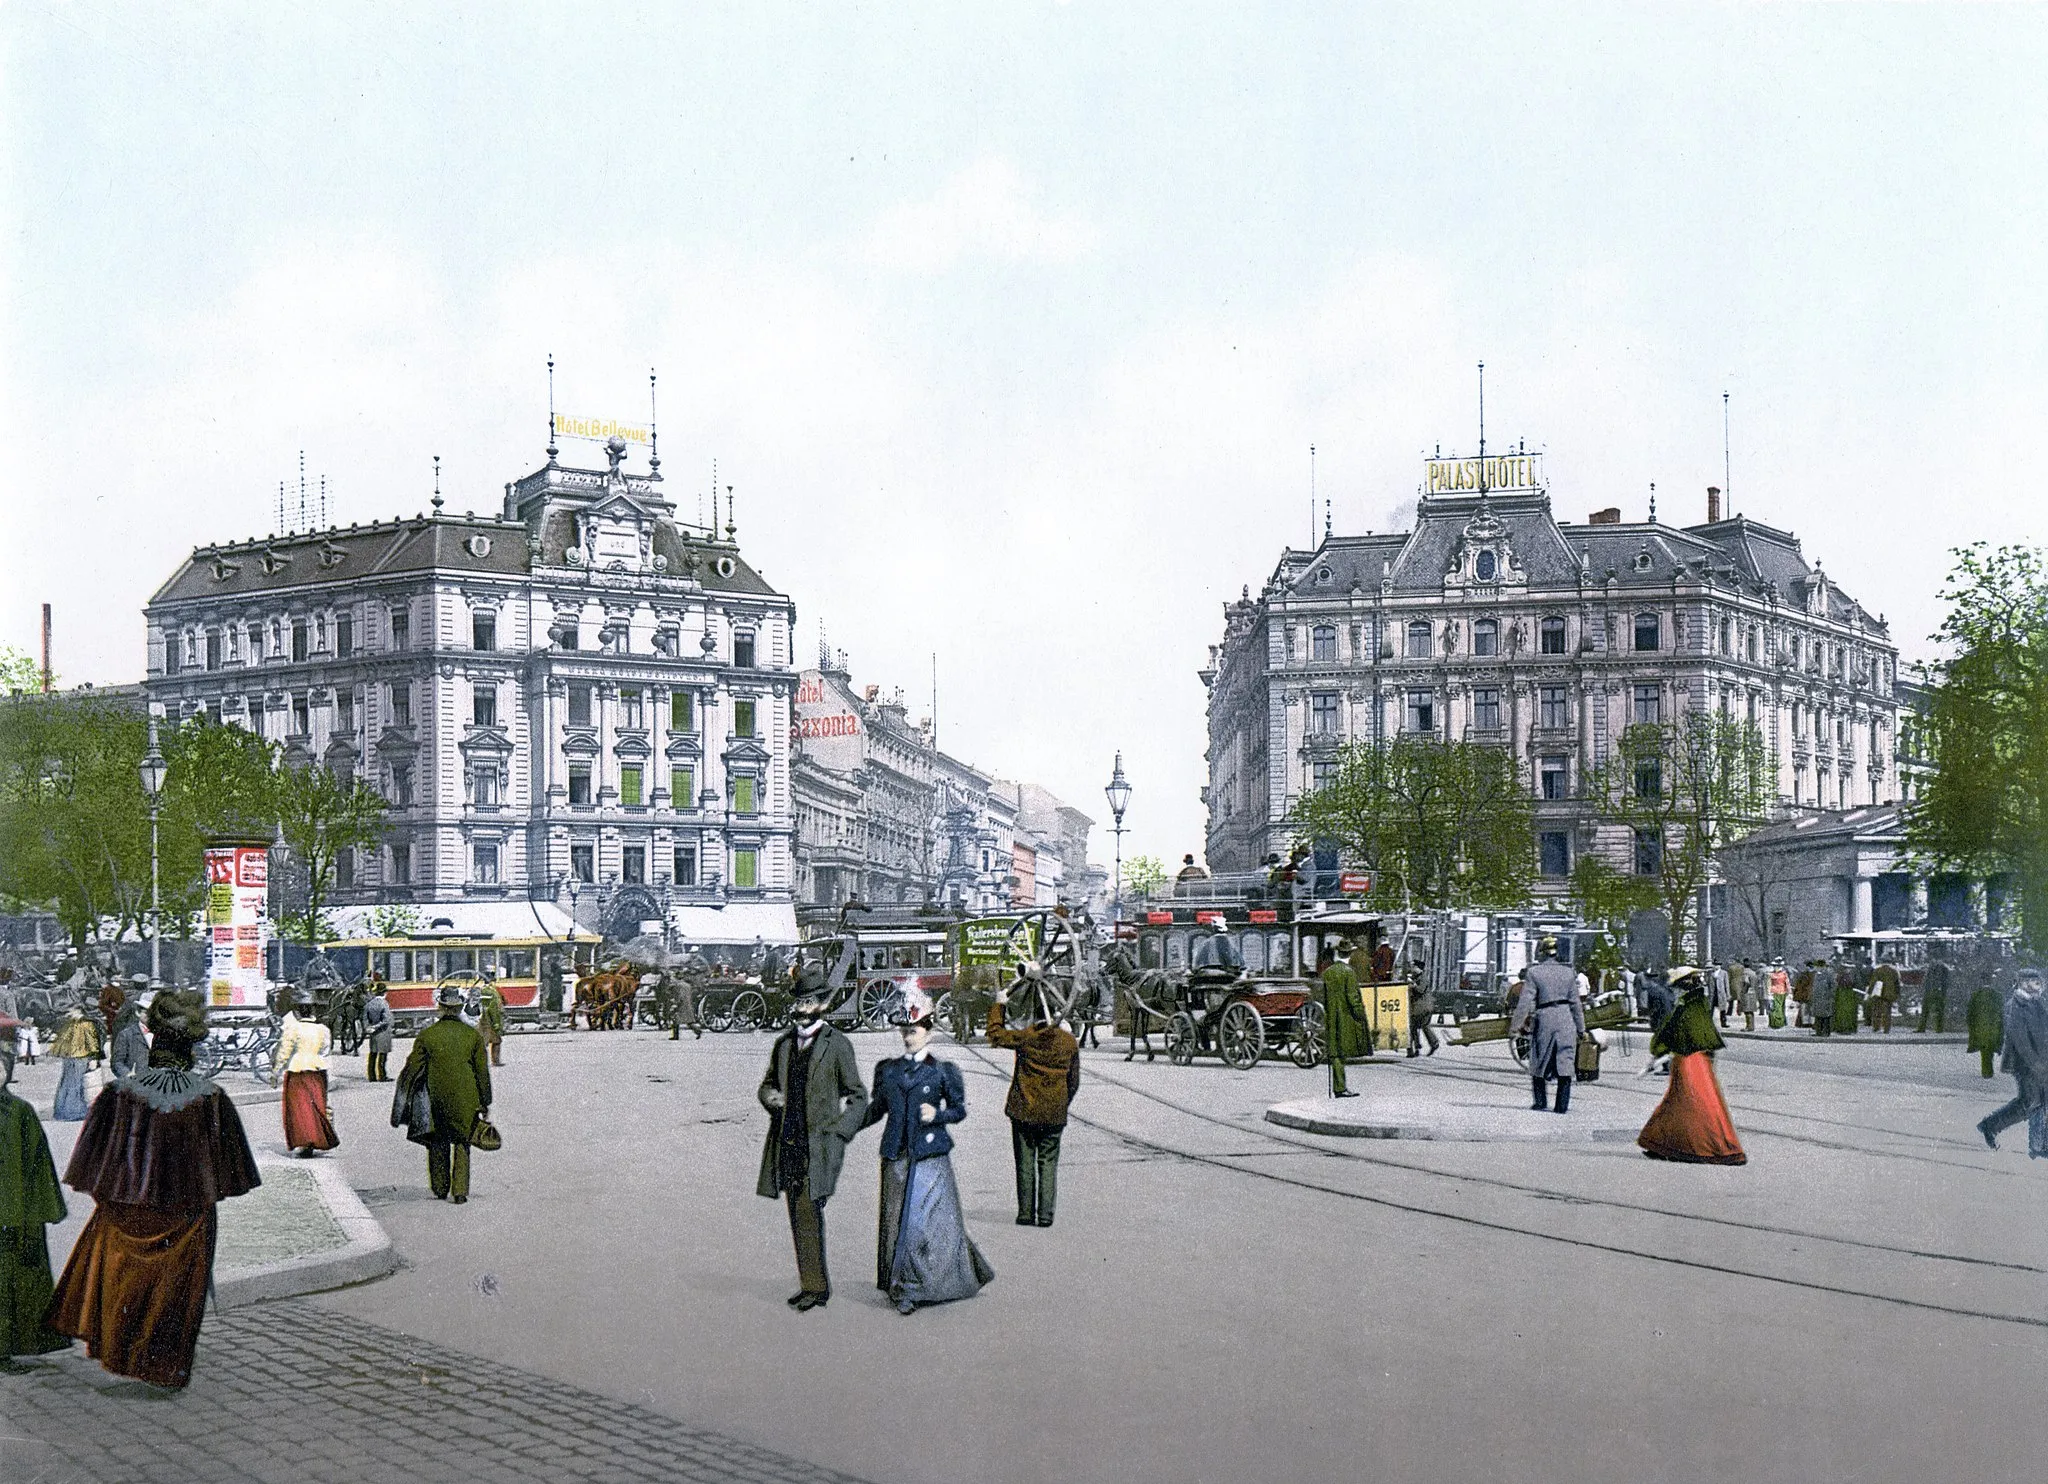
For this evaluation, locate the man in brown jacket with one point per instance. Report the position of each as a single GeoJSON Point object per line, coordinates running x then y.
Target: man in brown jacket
{"type": "Point", "coordinates": [1047, 1076]}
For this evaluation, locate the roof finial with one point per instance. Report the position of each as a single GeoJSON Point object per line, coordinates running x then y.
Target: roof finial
{"type": "Point", "coordinates": [437, 484]}
{"type": "Point", "coordinates": [730, 529]}
{"type": "Point", "coordinates": [1482, 430]}
{"type": "Point", "coordinates": [1653, 502]}
{"type": "Point", "coordinates": [653, 431]}
{"type": "Point", "coordinates": [552, 450]}
{"type": "Point", "coordinates": [1326, 518]}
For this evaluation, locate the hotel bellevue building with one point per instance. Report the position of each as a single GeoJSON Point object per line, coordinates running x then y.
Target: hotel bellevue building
{"type": "Point", "coordinates": [581, 699]}
{"type": "Point", "coordinates": [1492, 620]}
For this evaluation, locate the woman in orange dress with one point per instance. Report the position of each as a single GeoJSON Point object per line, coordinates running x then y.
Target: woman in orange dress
{"type": "Point", "coordinates": [1691, 1124]}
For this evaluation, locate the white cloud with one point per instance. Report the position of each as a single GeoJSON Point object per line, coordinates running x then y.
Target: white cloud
{"type": "Point", "coordinates": [987, 212]}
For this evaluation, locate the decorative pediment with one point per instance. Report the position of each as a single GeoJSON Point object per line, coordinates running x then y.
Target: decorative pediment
{"type": "Point", "coordinates": [397, 742]}
{"type": "Point", "coordinates": [580, 742]}
{"type": "Point", "coordinates": [341, 755]}
{"type": "Point", "coordinates": [683, 745]}
{"type": "Point", "coordinates": [744, 750]}
{"type": "Point", "coordinates": [298, 752]}
{"type": "Point", "coordinates": [632, 745]}
{"type": "Point", "coordinates": [488, 740]}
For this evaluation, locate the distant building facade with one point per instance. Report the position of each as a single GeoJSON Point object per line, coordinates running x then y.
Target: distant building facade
{"type": "Point", "coordinates": [886, 816]}
{"type": "Point", "coordinates": [1490, 620]}
{"type": "Point", "coordinates": [582, 698]}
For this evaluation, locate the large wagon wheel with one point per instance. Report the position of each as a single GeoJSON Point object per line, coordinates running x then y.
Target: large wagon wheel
{"type": "Point", "coordinates": [1307, 1049]}
{"type": "Point", "coordinates": [879, 999]}
{"type": "Point", "coordinates": [1055, 944]}
{"type": "Point", "coordinates": [345, 1017]}
{"type": "Point", "coordinates": [1241, 1035]}
{"type": "Point", "coordinates": [1180, 1039]}
{"type": "Point", "coordinates": [714, 1008]}
{"type": "Point", "coordinates": [749, 1010]}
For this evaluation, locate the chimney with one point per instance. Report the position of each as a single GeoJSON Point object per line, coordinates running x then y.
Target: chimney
{"type": "Point", "coordinates": [1713, 503]}
{"type": "Point", "coordinates": [1611, 516]}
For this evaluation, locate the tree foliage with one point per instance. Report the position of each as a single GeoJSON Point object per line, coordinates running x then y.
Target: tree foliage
{"type": "Point", "coordinates": [1144, 877]}
{"type": "Point", "coordinates": [1984, 808]}
{"type": "Point", "coordinates": [74, 822]}
{"type": "Point", "coordinates": [1440, 824]}
{"type": "Point", "coordinates": [1685, 789]}
{"type": "Point", "coordinates": [320, 816]}
{"type": "Point", "coordinates": [1600, 894]}
{"type": "Point", "coordinates": [19, 672]}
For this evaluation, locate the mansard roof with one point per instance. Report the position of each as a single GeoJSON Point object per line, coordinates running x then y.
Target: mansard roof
{"type": "Point", "coordinates": [350, 554]}
{"type": "Point", "coordinates": [1744, 553]}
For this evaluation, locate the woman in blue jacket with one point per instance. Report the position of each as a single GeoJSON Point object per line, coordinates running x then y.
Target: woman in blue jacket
{"type": "Point", "coordinates": [923, 1252]}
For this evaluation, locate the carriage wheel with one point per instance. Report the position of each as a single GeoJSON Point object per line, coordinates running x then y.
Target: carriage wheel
{"type": "Point", "coordinates": [715, 1013]}
{"type": "Point", "coordinates": [749, 1010]}
{"type": "Point", "coordinates": [951, 1012]}
{"type": "Point", "coordinates": [877, 1002]}
{"type": "Point", "coordinates": [1180, 1039]}
{"type": "Point", "coordinates": [1307, 1050]}
{"type": "Point", "coordinates": [1241, 1035]}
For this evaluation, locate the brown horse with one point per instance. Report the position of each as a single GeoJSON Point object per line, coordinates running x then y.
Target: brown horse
{"type": "Point", "coordinates": [606, 999]}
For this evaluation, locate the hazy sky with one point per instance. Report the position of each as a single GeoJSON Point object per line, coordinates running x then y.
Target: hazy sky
{"type": "Point", "coordinates": [1012, 325]}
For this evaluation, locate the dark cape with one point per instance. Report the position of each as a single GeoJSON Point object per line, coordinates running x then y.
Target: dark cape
{"type": "Point", "coordinates": [29, 1202]}
{"type": "Point", "coordinates": [157, 1153]}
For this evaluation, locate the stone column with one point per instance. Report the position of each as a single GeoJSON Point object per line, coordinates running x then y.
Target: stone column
{"type": "Point", "coordinates": [1859, 904]}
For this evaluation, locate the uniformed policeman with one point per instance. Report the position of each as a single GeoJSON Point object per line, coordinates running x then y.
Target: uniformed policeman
{"type": "Point", "coordinates": [1556, 1016]}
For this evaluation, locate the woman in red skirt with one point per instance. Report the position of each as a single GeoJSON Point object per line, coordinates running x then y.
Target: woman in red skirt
{"type": "Point", "coordinates": [1692, 1122]}
{"type": "Point", "coordinates": [302, 1056]}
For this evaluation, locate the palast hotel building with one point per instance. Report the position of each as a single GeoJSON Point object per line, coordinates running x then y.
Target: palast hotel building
{"type": "Point", "coordinates": [580, 699]}
{"type": "Point", "coordinates": [1493, 620]}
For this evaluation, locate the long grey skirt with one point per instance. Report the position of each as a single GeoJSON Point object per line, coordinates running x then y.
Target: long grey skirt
{"type": "Point", "coordinates": [923, 1251]}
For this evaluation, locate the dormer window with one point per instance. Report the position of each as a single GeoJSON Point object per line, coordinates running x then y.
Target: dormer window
{"type": "Point", "coordinates": [1642, 561]}
{"type": "Point", "coordinates": [1323, 575]}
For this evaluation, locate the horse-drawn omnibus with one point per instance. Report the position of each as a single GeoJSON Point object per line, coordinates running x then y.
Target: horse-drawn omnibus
{"type": "Point", "coordinates": [870, 960]}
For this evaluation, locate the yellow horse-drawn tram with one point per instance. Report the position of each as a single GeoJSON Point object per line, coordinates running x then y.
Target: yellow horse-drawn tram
{"type": "Point", "coordinates": [533, 967]}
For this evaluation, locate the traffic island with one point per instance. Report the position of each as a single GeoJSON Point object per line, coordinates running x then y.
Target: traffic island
{"type": "Point", "coordinates": [1426, 1113]}
{"type": "Point", "coordinates": [302, 1230]}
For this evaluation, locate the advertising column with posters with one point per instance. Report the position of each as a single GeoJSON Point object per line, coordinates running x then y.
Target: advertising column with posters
{"type": "Point", "coordinates": [238, 921]}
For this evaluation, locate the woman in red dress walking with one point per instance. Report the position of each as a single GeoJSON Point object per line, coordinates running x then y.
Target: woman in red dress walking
{"type": "Point", "coordinates": [1692, 1123]}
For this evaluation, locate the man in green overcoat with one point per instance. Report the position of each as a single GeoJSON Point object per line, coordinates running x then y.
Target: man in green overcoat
{"type": "Point", "coordinates": [451, 1056]}
{"type": "Point", "coordinates": [1987, 1025]}
{"type": "Point", "coordinates": [491, 1022]}
{"type": "Point", "coordinates": [1346, 1033]}
{"type": "Point", "coordinates": [30, 1200]}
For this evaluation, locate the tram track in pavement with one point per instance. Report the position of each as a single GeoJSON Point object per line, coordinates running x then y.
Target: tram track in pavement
{"type": "Point", "coordinates": [1234, 1162]}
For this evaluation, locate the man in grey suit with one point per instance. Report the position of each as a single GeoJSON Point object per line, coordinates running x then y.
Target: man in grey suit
{"type": "Point", "coordinates": [815, 1100]}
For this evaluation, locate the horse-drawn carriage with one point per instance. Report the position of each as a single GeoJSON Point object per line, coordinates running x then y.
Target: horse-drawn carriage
{"type": "Point", "coordinates": [1212, 1004]}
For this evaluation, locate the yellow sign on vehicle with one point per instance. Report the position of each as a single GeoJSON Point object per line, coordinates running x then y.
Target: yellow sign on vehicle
{"type": "Point", "coordinates": [1388, 1004]}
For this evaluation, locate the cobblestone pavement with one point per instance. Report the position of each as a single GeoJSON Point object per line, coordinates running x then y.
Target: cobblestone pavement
{"type": "Point", "coordinates": [290, 1393]}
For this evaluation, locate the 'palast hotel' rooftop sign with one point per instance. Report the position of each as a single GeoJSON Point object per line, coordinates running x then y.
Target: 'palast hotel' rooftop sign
{"type": "Point", "coordinates": [1515, 471]}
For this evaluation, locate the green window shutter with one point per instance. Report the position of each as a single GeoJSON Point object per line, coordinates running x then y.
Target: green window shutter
{"type": "Point", "coordinates": [743, 795]}
{"type": "Point", "coordinates": [682, 787]}
{"type": "Point", "coordinates": [629, 785]}
{"type": "Point", "coordinates": [743, 718]}
{"type": "Point", "coordinates": [744, 868]}
{"type": "Point", "coordinates": [682, 712]}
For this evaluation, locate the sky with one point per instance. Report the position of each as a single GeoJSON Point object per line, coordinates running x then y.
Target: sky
{"type": "Point", "coordinates": [1012, 325]}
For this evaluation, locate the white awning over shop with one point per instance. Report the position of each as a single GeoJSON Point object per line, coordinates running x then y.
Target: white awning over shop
{"type": "Point", "coordinates": [744, 923]}
{"type": "Point", "coordinates": [513, 919]}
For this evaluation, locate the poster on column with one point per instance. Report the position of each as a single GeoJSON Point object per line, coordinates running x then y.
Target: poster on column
{"type": "Point", "coordinates": [238, 922]}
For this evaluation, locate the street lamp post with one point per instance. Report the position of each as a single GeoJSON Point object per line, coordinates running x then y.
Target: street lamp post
{"type": "Point", "coordinates": [153, 769]}
{"type": "Point", "coordinates": [1119, 795]}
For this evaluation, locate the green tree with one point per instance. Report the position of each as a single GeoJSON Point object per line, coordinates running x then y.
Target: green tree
{"type": "Point", "coordinates": [1684, 789]}
{"type": "Point", "coordinates": [1984, 807]}
{"type": "Point", "coordinates": [1144, 877]}
{"type": "Point", "coordinates": [320, 816]}
{"type": "Point", "coordinates": [19, 672]}
{"type": "Point", "coordinates": [74, 829]}
{"type": "Point", "coordinates": [1600, 894]}
{"type": "Point", "coordinates": [1439, 824]}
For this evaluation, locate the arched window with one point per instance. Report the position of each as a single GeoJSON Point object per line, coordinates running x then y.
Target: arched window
{"type": "Point", "coordinates": [1485, 636]}
{"type": "Point", "coordinates": [1647, 631]}
{"type": "Point", "coordinates": [1418, 640]}
{"type": "Point", "coordinates": [1552, 636]}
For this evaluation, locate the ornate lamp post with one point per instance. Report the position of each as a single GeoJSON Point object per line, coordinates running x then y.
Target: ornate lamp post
{"type": "Point", "coordinates": [1118, 793]}
{"type": "Point", "coordinates": [153, 768]}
